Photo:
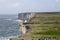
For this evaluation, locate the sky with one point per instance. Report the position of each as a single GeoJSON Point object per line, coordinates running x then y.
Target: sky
{"type": "Point", "coordinates": [18, 6]}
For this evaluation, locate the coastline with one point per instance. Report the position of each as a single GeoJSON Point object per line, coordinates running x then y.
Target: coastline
{"type": "Point", "coordinates": [41, 31]}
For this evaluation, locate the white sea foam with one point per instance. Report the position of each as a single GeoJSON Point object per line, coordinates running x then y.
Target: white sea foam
{"type": "Point", "coordinates": [17, 20]}
{"type": "Point", "coordinates": [8, 19]}
{"type": "Point", "coordinates": [3, 38]}
{"type": "Point", "coordinates": [7, 38]}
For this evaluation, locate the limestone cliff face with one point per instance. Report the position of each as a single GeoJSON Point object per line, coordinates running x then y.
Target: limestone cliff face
{"type": "Point", "coordinates": [25, 16]}
{"type": "Point", "coordinates": [29, 15]}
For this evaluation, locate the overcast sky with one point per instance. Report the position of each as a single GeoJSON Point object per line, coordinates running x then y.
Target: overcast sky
{"type": "Point", "coordinates": [16, 6]}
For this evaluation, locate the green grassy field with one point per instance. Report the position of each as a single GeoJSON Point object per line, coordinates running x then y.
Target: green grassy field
{"type": "Point", "coordinates": [45, 25]}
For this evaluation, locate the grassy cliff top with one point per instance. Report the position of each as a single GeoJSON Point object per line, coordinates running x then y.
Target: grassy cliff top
{"type": "Point", "coordinates": [45, 24]}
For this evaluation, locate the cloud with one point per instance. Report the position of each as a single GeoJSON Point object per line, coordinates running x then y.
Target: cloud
{"type": "Point", "coordinates": [2, 0]}
{"type": "Point", "coordinates": [57, 0]}
{"type": "Point", "coordinates": [15, 4]}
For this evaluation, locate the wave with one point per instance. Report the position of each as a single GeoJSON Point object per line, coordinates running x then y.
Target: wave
{"type": "Point", "coordinates": [8, 19]}
{"type": "Point", "coordinates": [4, 38]}
{"type": "Point", "coordinates": [16, 20]}
{"type": "Point", "coordinates": [7, 38]}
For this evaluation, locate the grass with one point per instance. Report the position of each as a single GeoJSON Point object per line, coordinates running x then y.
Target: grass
{"type": "Point", "coordinates": [46, 19]}
{"type": "Point", "coordinates": [46, 29]}
{"type": "Point", "coordinates": [49, 32]}
{"type": "Point", "coordinates": [47, 26]}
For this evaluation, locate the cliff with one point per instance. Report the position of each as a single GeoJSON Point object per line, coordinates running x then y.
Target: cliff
{"type": "Point", "coordinates": [25, 16]}
{"type": "Point", "coordinates": [41, 26]}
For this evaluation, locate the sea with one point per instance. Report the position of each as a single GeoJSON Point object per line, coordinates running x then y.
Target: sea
{"type": "Point", "coordinates": [8, 27]}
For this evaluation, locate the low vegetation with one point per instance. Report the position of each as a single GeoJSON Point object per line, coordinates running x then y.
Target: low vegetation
{"type": "Point", "coordinates": [45, 24]}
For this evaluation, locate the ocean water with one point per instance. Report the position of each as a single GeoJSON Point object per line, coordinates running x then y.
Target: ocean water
{"type": "Point", "coordinates": [8, 27]}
